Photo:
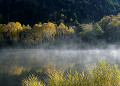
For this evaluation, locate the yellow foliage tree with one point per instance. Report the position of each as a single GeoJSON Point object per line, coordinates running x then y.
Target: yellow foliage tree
{"type": "Point", "coordinates": [26, 27]}
{"type": "Point", "coordinates": [12, 30]}
{"type": "Point", "coordinates": [87, 31]}
{"type": "Point", "coordinates": [105, 20]}
{"type": "Point", "coordinates": [62, 29]}
{"type": "Point", "coordinates": [48, 31]}
{"type": "Point", "coordinates": [37, 26]}
{"type": "Point", "coordinates": [71, 30]}
{"type": "Point", "coordinates": [87, 27]}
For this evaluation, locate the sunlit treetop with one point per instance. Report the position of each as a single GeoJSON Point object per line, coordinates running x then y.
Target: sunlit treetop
{"type": "Point", "coordinates": [48, 26]}
{"type": "Point", "coordinates": [26, 27]}
{"type": "Point", "coordinates": [105, 19]}
{"type": "Point", "coordinates": [62, 29]}
{"type": "Point", "coordinates": [117, 24]}
{"type": "Point", "coordinates": [62, 25]}
{"type": "Point", "coordinates": [71, 30]}
{"type": "Point", "coordinates": [13, 27]}
{"type": "Point", "coordinates": [48, 30]}
{"type": "Point", "coordinates": [37, 26]}
{"type": "Point", "coordinates": [87, 27]}
{"type": "Point", "coordinates": [112, 24]}
{"type": "Point", "coordinates": [12, 30]}
{"type": "Point", "coordinates": [114, 19]}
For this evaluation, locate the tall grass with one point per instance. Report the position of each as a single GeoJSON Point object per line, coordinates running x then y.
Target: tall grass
{"type": "Point", "coordinates": [32, 80]}
{"type": "Point", "coordinates": [101, 74]}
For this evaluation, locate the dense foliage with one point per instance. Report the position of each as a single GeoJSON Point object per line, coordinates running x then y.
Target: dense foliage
{"type": "Point", "coordinates": [13, 33]}
{"type": "Point", "coordinates": [67, 11]}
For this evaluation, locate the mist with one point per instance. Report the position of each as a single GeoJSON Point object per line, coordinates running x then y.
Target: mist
{"type": "Point", "coordinates": [62, 57]}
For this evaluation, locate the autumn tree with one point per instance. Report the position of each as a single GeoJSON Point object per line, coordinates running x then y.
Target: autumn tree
{"type": "Point", "coordinates": [48, 31]}
{"type": "Point", "coordinates": [37, 26]}
{"type": "Point", "coordinates": [62, 30]}
{"type": "Point", "coordinates": [39, 34]}
{"type": "Point", "coordinates": [12, 30]}
{"type": "Point", "coordinates": [104, 21]}
{"type": "Point", "coordinates": [26, 27]}
{"type": "Point", "coordinates": [71, 31]}
{"type": "Point", "coordinates": [86, 32]}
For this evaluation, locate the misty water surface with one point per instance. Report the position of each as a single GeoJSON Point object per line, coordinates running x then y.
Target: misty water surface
{"type": "Point", "coordinates": [61, 57]}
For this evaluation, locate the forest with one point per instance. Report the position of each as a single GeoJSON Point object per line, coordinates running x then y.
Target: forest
{"type": "Point", "coordinates": [35, 11]}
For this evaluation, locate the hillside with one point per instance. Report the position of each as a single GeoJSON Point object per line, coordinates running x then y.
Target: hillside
{"type": "Point", "coordinates": [67, 11]}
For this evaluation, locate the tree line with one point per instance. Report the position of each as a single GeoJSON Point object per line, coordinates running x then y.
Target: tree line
{"type": "Point", "coordinates": [13, 33]}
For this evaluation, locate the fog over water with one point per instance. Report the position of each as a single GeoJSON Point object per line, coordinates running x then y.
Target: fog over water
{"type": "Point", "coordinates": [62, 57]}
